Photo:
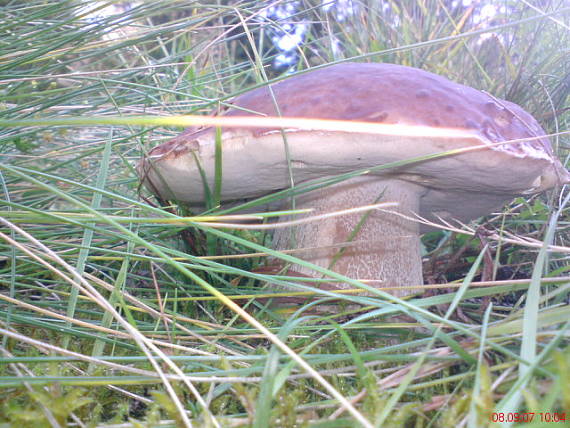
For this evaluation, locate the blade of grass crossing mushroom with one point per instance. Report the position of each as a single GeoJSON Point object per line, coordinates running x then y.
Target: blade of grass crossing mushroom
{"type": "Point", "coordinates": [213, 200]}
{"type": "Point", "coordinates": [218, 169]}
{"type": "Point", "coordinates": [262, 75]}
{"type": "Point", "coordinates": [209, 198]}
{"type": "Point", "coordinates": [353, 234]}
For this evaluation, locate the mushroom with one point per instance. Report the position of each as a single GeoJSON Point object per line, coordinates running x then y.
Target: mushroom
{"type": "Point", "coordinates": [386, 247]}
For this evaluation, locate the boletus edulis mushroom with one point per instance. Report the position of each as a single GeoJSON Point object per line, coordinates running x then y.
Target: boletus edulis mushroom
{"type": "Point", "coordinates": [386, 247]}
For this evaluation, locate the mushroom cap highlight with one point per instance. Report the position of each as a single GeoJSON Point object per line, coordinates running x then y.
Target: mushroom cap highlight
{"type": "Point", "coordinates": [461, 186]}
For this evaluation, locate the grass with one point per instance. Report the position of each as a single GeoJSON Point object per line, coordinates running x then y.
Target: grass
{"type": "Point", "coordinates": [115, 312]}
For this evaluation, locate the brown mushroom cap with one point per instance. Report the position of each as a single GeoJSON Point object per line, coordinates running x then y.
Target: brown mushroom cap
{"type": "Point", "coordinates": [463, 186]}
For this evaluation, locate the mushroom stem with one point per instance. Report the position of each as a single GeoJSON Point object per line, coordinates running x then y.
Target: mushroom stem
{"type": "Point", "coordinates": [385, 247]}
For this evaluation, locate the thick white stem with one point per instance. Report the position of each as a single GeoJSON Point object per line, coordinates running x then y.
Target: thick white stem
{"type": "Point", "coordinates": [386, 248]}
